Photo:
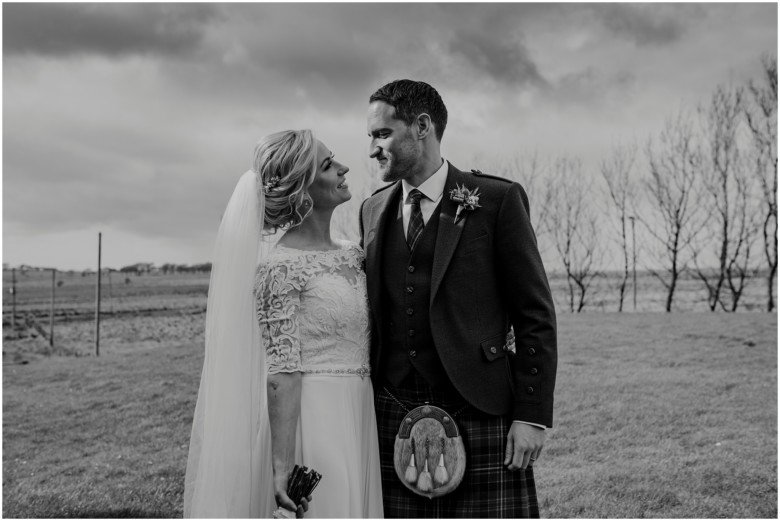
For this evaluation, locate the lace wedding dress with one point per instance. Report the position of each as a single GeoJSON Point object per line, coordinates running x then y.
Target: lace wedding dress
{"type": "Point", "coordinates": [313, 314]}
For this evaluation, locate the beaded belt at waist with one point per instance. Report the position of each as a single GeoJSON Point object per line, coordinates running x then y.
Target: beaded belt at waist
{"type": "Point", "coordinates": [361, 371]}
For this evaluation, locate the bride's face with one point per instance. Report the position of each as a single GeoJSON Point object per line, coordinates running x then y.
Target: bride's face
{"type": "Point", "coordinates": [329, 188]}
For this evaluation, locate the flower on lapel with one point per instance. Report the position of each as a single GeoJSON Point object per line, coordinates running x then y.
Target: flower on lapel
{"type": "Point", "coordinates": [466, 199]}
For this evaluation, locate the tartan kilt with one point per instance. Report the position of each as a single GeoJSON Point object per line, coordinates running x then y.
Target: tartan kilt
{"type": "Point", "coordinates": [488, 488]}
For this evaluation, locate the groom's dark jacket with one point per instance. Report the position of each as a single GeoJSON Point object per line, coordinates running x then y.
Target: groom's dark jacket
{"type": "Point", "coordinates": [487, 274]}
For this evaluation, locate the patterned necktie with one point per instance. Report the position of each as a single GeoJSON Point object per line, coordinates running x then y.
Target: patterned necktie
{"type": "Point", "coordinates": [416, 223]}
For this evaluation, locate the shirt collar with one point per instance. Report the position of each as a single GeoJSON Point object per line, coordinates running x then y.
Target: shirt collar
{"type": "Point", "coordinates": [432, 188]}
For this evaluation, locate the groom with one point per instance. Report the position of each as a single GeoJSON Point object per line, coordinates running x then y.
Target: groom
{"type": "Point", "coordinates": [445, 285]}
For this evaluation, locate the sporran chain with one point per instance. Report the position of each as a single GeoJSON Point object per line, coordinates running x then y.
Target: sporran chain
{"type": "Point", "coordinates": [407, 410]}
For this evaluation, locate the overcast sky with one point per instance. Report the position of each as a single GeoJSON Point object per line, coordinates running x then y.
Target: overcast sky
{"type": "Point", "coordinates": [138, 119]}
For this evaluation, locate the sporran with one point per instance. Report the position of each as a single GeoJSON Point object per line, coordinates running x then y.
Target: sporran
{"type": "Point", "coordinates": [429, 455]}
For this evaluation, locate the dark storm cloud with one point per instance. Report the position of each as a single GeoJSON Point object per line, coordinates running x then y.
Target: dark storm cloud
{"type": "Point", "coordinates": [490, 42]}
{"type": "Point", "coordinates": [592, 87]}
{"type": "Point", "coordinates": [505, 60]}
{"type": "Point", "coordinates": [321, 56]}
{"type": "Point", "coordinates": [647, 24]}
{"type": "Point", "coordinates": [336, 61]}
{"type": "Point", "coordinates": [107, 29]}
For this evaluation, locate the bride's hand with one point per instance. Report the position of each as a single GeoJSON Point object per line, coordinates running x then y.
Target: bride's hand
{"type": "Point", "coordinates": [280, 494]}
{"type": "Point", "coordinates": [284, 501]}
{"type": "Point", "coordinates": [304, 507]}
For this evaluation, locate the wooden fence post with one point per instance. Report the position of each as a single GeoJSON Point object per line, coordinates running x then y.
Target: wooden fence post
{"type": "Point", "coordinates": [633, 243]}
{"type": "Point", "coordinates": [51, 310]}
{"type": "Point", "coordinates": [97, 299]}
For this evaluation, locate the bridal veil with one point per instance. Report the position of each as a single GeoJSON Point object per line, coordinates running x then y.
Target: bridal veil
{"type": "Point", "coordinates": [229, 473]}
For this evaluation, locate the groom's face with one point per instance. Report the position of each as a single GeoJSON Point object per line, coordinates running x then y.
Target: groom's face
{"type": "Point", "coordinates": [392, 143]}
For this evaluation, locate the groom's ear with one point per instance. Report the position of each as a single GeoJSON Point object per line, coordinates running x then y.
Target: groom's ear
{"type": "Point", "coordinates": [424, 125]}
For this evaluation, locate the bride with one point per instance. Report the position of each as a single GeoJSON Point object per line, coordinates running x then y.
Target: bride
{"type": "Point", "coordinates": [285, 376]}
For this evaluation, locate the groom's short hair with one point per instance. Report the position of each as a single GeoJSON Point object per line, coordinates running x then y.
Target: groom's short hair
{"type": "Point", "coordinates": [412, 98]}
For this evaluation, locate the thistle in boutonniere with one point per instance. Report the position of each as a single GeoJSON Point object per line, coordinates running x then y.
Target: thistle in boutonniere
{"type": "Point", "coordinates": [466, 199]}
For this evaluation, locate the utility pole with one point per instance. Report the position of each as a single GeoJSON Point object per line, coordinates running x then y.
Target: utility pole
{"type": "Point", "coordinates": [97, 300]}
{"type": "Point", "coordinates": [51, 310]}
{"type": "Point", "coordinates": [633, 241]}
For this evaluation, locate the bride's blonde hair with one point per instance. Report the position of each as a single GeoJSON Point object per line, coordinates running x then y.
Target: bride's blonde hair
{"type": "Point", "coordinates": [286, 163]}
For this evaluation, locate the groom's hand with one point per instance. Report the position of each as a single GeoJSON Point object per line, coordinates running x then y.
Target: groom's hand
{"type": "Point", "coordinates": [523, 445]}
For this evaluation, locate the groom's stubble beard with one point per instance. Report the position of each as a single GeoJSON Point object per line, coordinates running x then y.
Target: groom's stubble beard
{"type": "Point", "coordinates": [404, 161]}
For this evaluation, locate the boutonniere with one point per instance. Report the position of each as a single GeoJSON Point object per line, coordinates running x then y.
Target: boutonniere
{"type": "Point", "coordinates": [466, 199]}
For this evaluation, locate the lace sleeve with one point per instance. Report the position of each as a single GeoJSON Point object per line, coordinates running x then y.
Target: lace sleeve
{"type": "Point", "coordinates": [278, 292]}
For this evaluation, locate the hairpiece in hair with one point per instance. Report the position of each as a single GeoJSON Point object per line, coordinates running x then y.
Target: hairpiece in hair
{"type": "Point", "coordinates": [272, 183]}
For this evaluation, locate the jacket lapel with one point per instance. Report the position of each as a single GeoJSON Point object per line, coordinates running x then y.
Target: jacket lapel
{"type": "Point", "coordinates": [449, 232]}
{"type": "Point", "coordinates": [374, 238]}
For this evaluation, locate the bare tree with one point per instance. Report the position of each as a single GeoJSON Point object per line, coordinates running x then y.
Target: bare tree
{"type": "Point", "coordinates": [674, 211]}
{"type": "Point", "coordinates": [616, 171]}
{"type": "Point", "coordinates": [571, 223]}
{"type": "Point", "coordinates": [728, 187]}
{"type": "Point", "coordinates": [761, 116]}
{"type": "Point", "coordinates": [746, 230]}
{"type": "Point", "coordinates": [529, 171]}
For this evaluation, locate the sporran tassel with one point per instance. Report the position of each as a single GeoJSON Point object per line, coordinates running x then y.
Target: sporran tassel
{"type": "Point", "coordinates": [440, 475]}
{"type": "Point", "coordinates": [411, 470]}
{"type": "Point", "coordinates": [424, 482]}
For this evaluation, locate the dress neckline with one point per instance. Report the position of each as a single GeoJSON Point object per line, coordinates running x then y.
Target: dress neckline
{"type": "Point", "coordinates": [344, 246]}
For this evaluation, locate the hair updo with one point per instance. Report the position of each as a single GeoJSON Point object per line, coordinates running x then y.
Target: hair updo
{"type": "Point", "coordinates": [285, 163]}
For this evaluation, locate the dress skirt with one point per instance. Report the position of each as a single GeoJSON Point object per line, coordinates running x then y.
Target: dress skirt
{"type": "Point", "coordinates": [337, 436]}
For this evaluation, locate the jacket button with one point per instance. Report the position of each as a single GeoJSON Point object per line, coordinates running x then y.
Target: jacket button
{"type": "Point", "coordinates": [531, 351]}
{"type": "Point", "coordinates": [413, 353]}
{"type": "Point", "coordinates": [534, 370]}
{"type": "Point", "coordinates": [410, 311]}
{"type": "Point", "coordinates": [530, 390]}
{"type": "Point", "coordinates": [493, 350]}
{"type": "Point", "coordinates": [411, 332]}
{"type": "Point", "coordinates": [410, 269]}
{"type": "Point", "coordinates": [410, 289]}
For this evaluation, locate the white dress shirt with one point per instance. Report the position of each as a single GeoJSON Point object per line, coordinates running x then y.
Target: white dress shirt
{"type": "Point", "coordinates": [432, 188]}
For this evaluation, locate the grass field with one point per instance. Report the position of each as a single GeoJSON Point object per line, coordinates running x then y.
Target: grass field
{"type": "Point", "coordinates": [657, 415]}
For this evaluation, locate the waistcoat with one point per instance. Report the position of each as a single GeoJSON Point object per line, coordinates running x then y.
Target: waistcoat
{"type": "Point", "coordinates": [406, 290]}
